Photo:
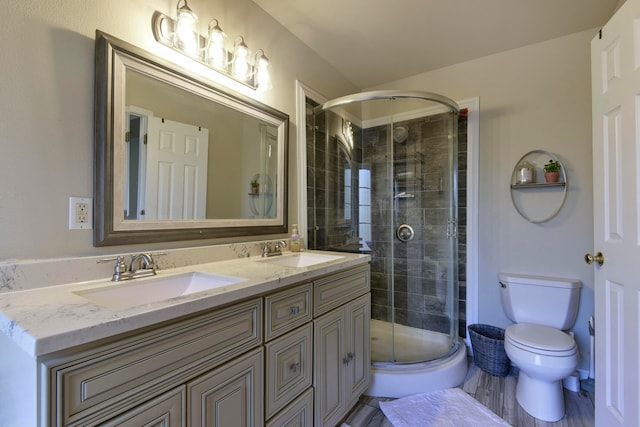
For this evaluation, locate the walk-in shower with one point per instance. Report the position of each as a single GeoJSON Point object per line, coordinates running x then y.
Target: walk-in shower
{"type": "Point", "coordinates": [383, 179]}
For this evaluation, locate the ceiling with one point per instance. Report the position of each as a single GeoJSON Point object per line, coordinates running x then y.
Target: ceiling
{"type": "Point", "coordinates": [377, 41]}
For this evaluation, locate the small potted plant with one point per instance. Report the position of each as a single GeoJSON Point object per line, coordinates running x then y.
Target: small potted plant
{"type": "Point", "coordinates": [255, 186]}
{"type": "Point", "coordinates": [552, 171]}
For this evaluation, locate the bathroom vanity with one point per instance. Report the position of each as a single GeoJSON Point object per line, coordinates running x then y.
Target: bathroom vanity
{"type": "Point", "coordinates": [287, 345]}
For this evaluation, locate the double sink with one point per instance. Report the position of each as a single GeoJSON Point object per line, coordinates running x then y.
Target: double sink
{"type": "Point", "coordinates": [149, 290]}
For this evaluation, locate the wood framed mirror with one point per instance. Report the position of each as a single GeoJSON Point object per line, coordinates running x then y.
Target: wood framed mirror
{"type": "Point", "coordinates": [178, 158]}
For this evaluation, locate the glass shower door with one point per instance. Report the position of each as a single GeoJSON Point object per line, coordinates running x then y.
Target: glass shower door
{"type": "Point", "coordinates": [382, 181]}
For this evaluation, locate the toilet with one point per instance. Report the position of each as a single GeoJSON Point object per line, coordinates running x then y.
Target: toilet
{"type": "Point", "coordinates": [542, 309]}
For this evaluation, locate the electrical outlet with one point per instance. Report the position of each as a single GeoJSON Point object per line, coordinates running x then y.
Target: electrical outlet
{"type": "Point", "coordinates": [80, 213]}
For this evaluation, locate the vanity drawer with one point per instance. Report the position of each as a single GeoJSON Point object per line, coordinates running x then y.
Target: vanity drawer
{"type": "Point", "coordinates": [92, 386]}
{"type": "Point", "coordinates": [287, 310]}
{"type": "Point", "coordinates": [289, 368]}
{"type": "Point", "coordinates": [168, 407]}
{"type": "Point", "coordinates": [338, 289]}
{"type": "Point", "coordinates": [298, 414]}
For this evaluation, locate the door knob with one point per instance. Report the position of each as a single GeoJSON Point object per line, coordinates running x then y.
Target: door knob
{"type": "Point", "coordinates": [597, 258]}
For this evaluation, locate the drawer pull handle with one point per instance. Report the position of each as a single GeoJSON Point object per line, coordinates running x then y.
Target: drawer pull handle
{"type": "Point", "coordinates": [294, 310]}
{"type": "Point", "coordinates": [294, 367]}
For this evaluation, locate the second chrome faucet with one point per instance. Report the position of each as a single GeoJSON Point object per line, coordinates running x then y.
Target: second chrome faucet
{"type": "Point", "coordinates": [273, 248]}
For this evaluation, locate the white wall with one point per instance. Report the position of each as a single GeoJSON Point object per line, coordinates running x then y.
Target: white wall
{"type": "Point", "coordinates": [536, 97]}
{"type": "Point", "coordinates": [46, 107]}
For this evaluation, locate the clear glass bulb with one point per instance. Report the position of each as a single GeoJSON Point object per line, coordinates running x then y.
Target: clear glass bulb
{"type": "Point", "coordinates": [216, 54]}
{"type": "Point", "coordinates": [241, 60]}
{"type": "Point", "coordinates": [186, 37]}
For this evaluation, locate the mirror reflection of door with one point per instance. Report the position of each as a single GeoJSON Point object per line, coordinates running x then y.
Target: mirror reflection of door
{"type": "Point", "coordinates": [135, 156]}
{"type": "Point", "coordinates": [177, 157]}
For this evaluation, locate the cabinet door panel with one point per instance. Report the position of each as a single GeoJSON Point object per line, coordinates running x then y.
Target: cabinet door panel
{"type": "Point", "coordinates": [359, 366]}
{"type": "Point", "coordinates": [330, 352]}
{"type": "Point", "coordinates": [230, 395]}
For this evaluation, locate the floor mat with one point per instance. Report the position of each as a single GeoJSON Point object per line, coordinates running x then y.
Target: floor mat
{"type": "Point", "coordinates": [451, 407]}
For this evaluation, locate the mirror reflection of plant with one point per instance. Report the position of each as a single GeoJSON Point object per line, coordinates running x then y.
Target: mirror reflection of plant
{"type": "Point", "coordinates": [552, 166]}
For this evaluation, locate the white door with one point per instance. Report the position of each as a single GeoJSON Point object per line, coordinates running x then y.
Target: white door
{"type": "Point", "coordinates": [176, 183]}
{"type": "Point", "coordinates": [615, 66]}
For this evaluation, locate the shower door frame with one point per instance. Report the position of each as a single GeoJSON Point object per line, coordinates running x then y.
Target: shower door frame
{"type": "Point", "coordinates": [472, 105]}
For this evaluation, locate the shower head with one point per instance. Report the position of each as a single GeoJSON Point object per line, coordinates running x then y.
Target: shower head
{"type": "Point", "coordinates": [400, 134]}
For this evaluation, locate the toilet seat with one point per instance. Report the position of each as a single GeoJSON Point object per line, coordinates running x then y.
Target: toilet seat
{"type": "Point", "coordinates": [540, 339]}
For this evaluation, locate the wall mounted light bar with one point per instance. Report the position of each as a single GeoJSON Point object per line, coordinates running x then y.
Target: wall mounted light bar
{"type": "Point", "coordinates": [182, 36]}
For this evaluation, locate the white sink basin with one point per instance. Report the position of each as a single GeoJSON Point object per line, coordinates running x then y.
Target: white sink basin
{"type": "Point", "coordinates": [144, 291]}
{"type": "Point", "coordinates": [302, 259]}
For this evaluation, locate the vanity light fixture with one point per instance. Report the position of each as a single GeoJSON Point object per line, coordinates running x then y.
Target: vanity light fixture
{"type": "Point", "coordinates": [182, 36]}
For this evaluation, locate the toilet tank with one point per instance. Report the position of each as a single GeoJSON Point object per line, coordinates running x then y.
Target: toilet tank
{"type": "Point", "coordinates": [540, 300]}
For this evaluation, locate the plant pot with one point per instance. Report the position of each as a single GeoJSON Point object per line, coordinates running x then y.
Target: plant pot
{"type": "Point", "coordinates": [254, 190]}
{"type": "Point", "coordinates": [551, 176]}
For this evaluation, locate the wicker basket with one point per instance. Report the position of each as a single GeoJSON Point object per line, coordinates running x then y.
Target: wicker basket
{"type": "Point", "coordinates": [488, 349]}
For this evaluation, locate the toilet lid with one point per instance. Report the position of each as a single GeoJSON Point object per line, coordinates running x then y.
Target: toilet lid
{"type": "Point", "coordinates": [539, 338]}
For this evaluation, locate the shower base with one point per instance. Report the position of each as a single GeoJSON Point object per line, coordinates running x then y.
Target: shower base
{"type": "Point", "coordinates": [446, 370]}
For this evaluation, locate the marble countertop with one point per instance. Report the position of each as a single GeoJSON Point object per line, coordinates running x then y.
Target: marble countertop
{"type": "Point", "coordinates": [45, 320]}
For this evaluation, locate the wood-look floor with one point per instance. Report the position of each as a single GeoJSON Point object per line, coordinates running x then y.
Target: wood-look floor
{"type": "Point", "coordinates": [496, 393]}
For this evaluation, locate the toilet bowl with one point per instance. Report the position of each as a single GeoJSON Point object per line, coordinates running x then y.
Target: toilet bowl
{"type": "Point", "coordinates": [542, 308]}
{"type": "Point", "coordinates": [545, 356]}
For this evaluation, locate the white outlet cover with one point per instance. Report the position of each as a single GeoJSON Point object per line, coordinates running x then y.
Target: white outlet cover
{"type": "Point", "coordinates": [74, 222]}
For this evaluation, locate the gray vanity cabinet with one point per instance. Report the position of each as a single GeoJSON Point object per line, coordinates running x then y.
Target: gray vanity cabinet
{"type": "Point", "coordinates": [298, 356]}
{"type": "Point", "coordinates": [130, 375]}
{"type": "Point", "coordinates": [319, 336]}
{"type": "Point", "coordinates": [341, 336]}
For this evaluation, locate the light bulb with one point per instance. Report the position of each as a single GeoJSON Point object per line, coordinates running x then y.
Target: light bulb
{"type": "Point", "coordinates": [216, 53]}
{"type": "Point", "coordinates": [186, 37]}
{"type": "Point", "coordinates": [240, 67]}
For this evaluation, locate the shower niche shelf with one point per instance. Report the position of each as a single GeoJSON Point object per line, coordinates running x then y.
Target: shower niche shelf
{"type": "Point", "coordinates": [407, 175]}
{"type": "Point", "coordinates": [538, 201]}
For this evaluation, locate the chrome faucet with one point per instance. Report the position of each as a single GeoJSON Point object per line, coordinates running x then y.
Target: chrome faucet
{"type": "Point", "coordinates": [141, 265]}
{"type": "Point", "coordinates": [274, 249]}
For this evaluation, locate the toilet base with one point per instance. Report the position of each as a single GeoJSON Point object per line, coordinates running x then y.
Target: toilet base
{"type": "Point", "coordinates": [541, 399]}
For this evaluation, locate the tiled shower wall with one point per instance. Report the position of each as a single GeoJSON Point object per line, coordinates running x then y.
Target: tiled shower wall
{"type": "Point", "coordinates": [418, 172]}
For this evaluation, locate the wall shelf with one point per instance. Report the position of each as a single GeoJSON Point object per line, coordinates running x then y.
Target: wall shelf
{"type": "Point", "coordinates": [539, 185]}
{"type": "Point", "coordinates": [538, 195]}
